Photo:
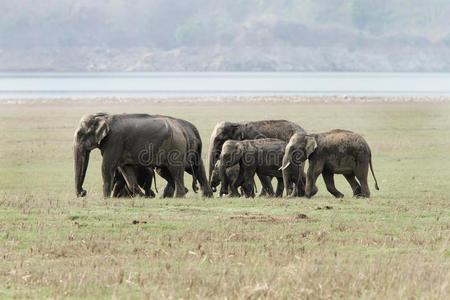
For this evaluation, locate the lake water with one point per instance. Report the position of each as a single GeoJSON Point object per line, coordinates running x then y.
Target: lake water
{"type": "Point", "coordinates": [79, 85]}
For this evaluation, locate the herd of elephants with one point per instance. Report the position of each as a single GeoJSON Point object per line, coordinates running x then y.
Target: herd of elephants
{"type": "Point", "coordinates": [135, 146]}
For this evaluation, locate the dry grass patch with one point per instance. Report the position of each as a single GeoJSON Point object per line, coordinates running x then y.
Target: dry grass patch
{"type": "Point", "coordinates": [394, 245]}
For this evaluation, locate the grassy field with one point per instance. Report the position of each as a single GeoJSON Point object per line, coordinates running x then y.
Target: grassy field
{"type": "Point", "coordinates": [393, 245]}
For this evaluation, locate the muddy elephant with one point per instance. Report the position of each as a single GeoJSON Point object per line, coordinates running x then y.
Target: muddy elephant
{"type": "Point", "coordinates": [144, 176]}
{"type": "Point", "coordinates": [193, 163]}
{"type": "Point", "coordinates": [262, 156]}
{"type": "Point", "coordinates": [333, 152]}
{"type": "Point", "coordinates": [129, 139]}
{"type": "Point", "coordinates": [224, 131]}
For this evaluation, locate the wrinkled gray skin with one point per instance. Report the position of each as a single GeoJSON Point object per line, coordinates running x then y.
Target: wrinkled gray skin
{"type": "Point", "coordinates": [232, 175]}
{"type": "Point", "coordinates": [224, 131]}
{"type": "Point", "coordinates": [194, 163]}
{"type": "Point", "coordinates": [262, 156]}
{"type": "Point", "coordinates": [333, 152]}
{"type": "Point", "coordinates": [144, 176]}
{"type": "Point", "coordinates": [129, 139]}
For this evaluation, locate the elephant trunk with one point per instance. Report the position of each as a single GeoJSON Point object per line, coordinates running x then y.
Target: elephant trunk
{"type": "Point", "coordinates": [286, 162]}
{"type": "Point", "coordinates": [81, 160]}
{"type": "Point", "coordinates": [212, 158]}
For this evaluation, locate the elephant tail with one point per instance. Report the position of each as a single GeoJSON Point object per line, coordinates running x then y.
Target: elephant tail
{"type": "Point", "coordinates": [194, 180]}
{"type": "Point", "coordinates": [373, 174]}
{"type": "Point", "coordinates": [154, 178]}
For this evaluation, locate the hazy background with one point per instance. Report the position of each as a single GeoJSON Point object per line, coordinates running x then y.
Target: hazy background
{"type": "Point", "coordinates": [201, 35]}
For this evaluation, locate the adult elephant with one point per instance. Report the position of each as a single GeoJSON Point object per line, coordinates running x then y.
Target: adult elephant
{"type": "Point", "coordinates": [333, 152]}
{"type": "Point", "coordinates": [193, 164]}
{"type": "Point", "coordinates": [224, 131]}
{"type": "Point", "coordinates": [129, 139]}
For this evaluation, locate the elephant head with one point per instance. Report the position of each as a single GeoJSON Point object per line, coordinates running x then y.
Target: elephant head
{"type": "Point", "coordinates": [298, 150]}
{"type": "Point", "coordinates": [222, 132]}
{"type": "Point", "coordinates": [215, 178]}
{"type": "Point", "coordinates": [232, 152]}
{"type": "Point", "coordinates": [91, 131]}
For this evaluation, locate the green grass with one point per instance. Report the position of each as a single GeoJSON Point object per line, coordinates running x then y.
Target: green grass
{"type": "Point", "coordinates": [393, 245]}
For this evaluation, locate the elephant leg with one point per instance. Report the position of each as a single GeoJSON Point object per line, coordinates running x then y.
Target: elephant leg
{"type": "Point", "coordinates": [328, 177]}
{"type": "Point", "coordinates": [266, 185]}
{"type": "Point", "coordinates": [130, 176]}
{"type": "Point", "coordinates": [264, 191]}
{"type": "Point", "coordinates": [147, 187]}
{"type": "Point", "coordinates": [238, 181]}
{"type": "Point", "coordinates": [146, 177]}
{"type": "Point", "coordinates": [118, 185]}
{"type": "Point", "coordinates": [311, 178]}
{"type": "Point", "coordinates": [108, 176]}
{"type": "Point", "coordinates": [177, 174]}
{"type": "Point", "coordinates": [299, 186]}
{"type": "Point", "coordinates": [354, 184]}
{"type": "Point", "coordinates": [361, 173]}
{"type": "Point", "coordinates": [200, 174]}
{"type": "Point", "coordinates": [248, 190]}
{"type": "Point", "coordinates": [248, 186]}
{"type": "Point", "coordinates": [169, 189]}
{"type": "Point", "coordinates": [280, 187]}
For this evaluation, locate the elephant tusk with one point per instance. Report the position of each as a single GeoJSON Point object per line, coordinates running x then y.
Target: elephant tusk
{"type": "Point", "coordinates": [284, 167]}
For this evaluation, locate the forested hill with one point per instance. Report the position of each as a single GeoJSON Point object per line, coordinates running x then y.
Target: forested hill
{"type": "Point", "coordinates": [225, 35]}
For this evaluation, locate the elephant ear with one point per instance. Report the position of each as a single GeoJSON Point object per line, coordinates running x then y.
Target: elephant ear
{"type": "Point", "coordinates": [311, 145]}
{"type": "Point", "coordinates": [240, 149]}
{"type": "Point", "coordinates": [238, 132]}
{"type": "Point", "coordinates": [102, 129]}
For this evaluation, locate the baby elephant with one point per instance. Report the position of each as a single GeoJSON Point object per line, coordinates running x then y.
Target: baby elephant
{"type": "Point", "coordinates": [261, 156]}
{"type": "Point", "coordinates": [138, 176]}
{"type": "Point", "coordinates": [334, 152]}
{"type": "Point", "coordinates": [232, 174]}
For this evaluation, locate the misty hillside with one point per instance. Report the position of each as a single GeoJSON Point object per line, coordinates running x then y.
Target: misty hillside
{"type": "Point", "coordinates": [200, 35]}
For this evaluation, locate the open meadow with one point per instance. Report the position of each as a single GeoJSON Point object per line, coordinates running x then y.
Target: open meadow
{"type": "Point", "coordinates": [394, 245]}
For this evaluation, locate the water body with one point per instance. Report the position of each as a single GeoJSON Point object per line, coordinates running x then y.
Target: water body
{"type": "Point", "coordinates": [79, 85]}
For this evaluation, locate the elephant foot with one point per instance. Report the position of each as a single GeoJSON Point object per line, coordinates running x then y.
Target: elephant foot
{"type": "Point", "coordinates": [361, 196]}
{"type": "Point", "coordinates": [300, 193]}
{"type": "Point", "coordinates": [208, 195]}
{"type": "Point", "coordinates": [150, 194]}
{"type": "Point", "coordinates": [81, 193]}
{"type": "Point", "coordinates": [338, 195]}
{"type": "Point", "coordinates": [357, 192]}
{"type": "Point", "coordinates": [315, 190]}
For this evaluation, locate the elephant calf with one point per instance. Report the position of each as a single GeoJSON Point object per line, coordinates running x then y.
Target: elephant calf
{"type": "Point", "coordinates": [261, 156]}
{"type": "Point", "coordinates": [232, 175]}
{"type": "Point", "coordinates": [333, 152]}
{"type": "Point", "coordinates": [144, 177]}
